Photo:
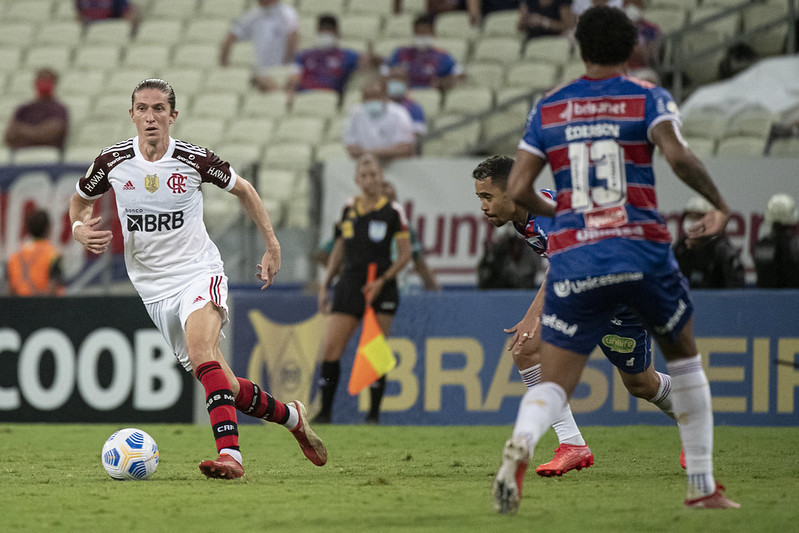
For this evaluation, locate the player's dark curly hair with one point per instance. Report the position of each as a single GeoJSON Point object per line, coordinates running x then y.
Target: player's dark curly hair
{"type": "Point", "coordinates": [496, 167]}
{"type": "Point", "coordinates": [155, 83]}
{"type": "Point", "coordinates": [605, 35]}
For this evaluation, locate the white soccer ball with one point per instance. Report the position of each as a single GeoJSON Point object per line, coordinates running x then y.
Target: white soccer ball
{"type": "Point", "coordinates": [130, 453]}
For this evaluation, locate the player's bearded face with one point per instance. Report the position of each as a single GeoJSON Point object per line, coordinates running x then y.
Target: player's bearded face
{"type": "Point", "coordinates": [152, 114]}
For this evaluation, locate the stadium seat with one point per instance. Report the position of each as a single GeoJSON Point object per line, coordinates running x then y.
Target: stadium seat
{"type": "Point", "coordinates": [772, 41]}
{"type": "Point", "coordinates": [727, 26]}
{"type": "Point", "coordinates": [64, 11]}
{"type": "Point", "coordinates": [414, 7]}
{"type": "Point", "coordinates": [319, 103]}
{"type": "Point", "coordinates": [10, 59]}
{"type": "Point", "coordinates": [335, 128]}
{"type": "Point", "coordinates": [185, 81]}
{"type": "Point", "coordinates": [457, 47]}
{"type": "Point", "coordinates": [364, 26]}
{"type": "Point", "coordinates": [702, 147]}
{"type": "Point", "coordinates": [205, 132]}
{"type": "Point", "coordinates": [668, 19]}
{"type": "Point", "coordinates": [257, 104]}
{"type": "Point", "coordinates": [485, 74]}
{"type": "Point", "coordinates": [62, 33]}
{"type": "Point", "coordinates": [785, 147]}
{"type": "Point", "coordinates": [506, 125]}
{"type": "Point", "coordinates": [702, 69]}
{"type": "Point", "coordinates": [99, 134]}
{"type": "Point", "coordinates": [78, 106]}
{"type": "Point", "coordinates": [398, 25]}
{"type": "Point", "coordinates": [207, 29]}
{"type": "Point", "coordinates": [7, 108]}
{"type": "Point", "coordinates": [233, 79]}
{"type": "Point", "coordinates": [174, 10]}
{"type": "Point", "coordinates": [468, 100]}
{"type": "Point", "coordinates": [741, 146]}
{"type": "Point", "coordinates": [35, 11]}
{"type": "Point", "coordinates": [241, 155]}
{"type": "Point", "coordinates": [222, 10]}
{"type": "Point", "coordinates": [300, 129]}
{"type": "Point", "coordinates": [319, 7]}
{"type": "Point", "coordinates": [359, 45]}
{"type": "Point", "coordinates": [150, 56]}
{"type": "Point", "coordinates": [111, 106]}
{"type": "Point", "coordinates": [20, 84]}
{"type": "Point", "coordinates": [503, 23]}
{"type": "Point", "coordinates": [244, 129]}
{"type": "Point", "coordinates": [221, 210]}
{"type": "Point", "coordinates": [294, 156]}
{"type": "Point", "coordinates": [280, 73]}
{"type": "Point", "coordinates": [221, 105]}
{"type": "Point", "coordinates": [532, 75]}
{"type": "Point", "coordinates": [275, 184]}
{"type": "Point", "coordinates": [307, 28]}
{"type": "Point", "coordinates": [750, 121]}
{"type": "Point", "coordinates": [557, 50]}
{"type": "Point", "coordinates": [298, 211]}
{"type": "Point", "coordinates": [36, 155]}
{"type": "Point", "coordinates": [572, 70]}
{"type": "Point", "coordinates": [454, 24]}
{"type": "Point", "coordinates": [242, 55]}
{"type": "Point", "coordinates": [429, 99]}
{"type": "Point", "coordinates": [81, 82]}
{"type": "Point", "coordinates": [707, 123]}
{"type": "Point", "coordinates": [331, 150]}
{"type": "Point", "coordinates": [113, 31]}
{"type": "Point", "coordinates": [53, 56]}
{"type": "Point", "coordinates": [377, 7]}
{"type": "Point", "coordinates": [455, 142]}
{"type": "Point", "coordinates": [81, 154]}
{"type": "Point", "coordinates": [125, 80]}
{"type": "Point", "coordinates": [685, 5]}
{"type": "Point", "coordinates": [160, 31]}
{"type": "Point", "coordinates": [20, 34]}
{"type": "Point", "coordinates": [98, 56]}
{"type": "Point", "coordinates": [196, 55]}
{"type": "Point", "coordinates": [385, 47]}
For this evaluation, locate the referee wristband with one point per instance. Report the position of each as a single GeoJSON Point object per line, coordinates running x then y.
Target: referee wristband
{"type": "Point", "coordinates": [76, 224]}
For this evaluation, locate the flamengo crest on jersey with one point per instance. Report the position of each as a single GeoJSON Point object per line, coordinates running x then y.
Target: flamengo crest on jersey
{"type": "Point", "coordinates": [595, 136]}
{"type": "Point", "coordinates": [160, 209]}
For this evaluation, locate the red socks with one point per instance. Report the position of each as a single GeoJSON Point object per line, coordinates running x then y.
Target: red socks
{"type": "Point", "coordinates": [220, 403]}
{"type": "Point", "coordinates": [253, 401]}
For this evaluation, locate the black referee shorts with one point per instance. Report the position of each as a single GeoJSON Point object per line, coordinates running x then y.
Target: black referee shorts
{"type": "Point", "coordinates": [349, 299]}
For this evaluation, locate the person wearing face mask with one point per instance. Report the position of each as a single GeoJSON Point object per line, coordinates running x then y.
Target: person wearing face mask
{"type": "Point", "coordinates": [42, 122]}
{"type": "Point", "coordinates": [776, 255]}
{"type": "Point", "coordinates": [274, 30]}
{"type": "Point", "coordinates": [709, 264]}
{"type": "Point", "coordinates": [326, 66]}
{"type": "Point", "coordinates": [397, 88]}
{"type": "Point", "coordinates": [378, 125]}
{"type": "Point", "coordinates": [426, 65]}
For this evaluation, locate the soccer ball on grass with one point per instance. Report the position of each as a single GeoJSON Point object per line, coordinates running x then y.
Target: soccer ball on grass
{"type": "Point", "coordinates": [130, 453]}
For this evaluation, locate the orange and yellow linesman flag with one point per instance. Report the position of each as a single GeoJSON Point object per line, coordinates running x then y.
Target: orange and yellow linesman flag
{"type": "Point", "coordinates": [374, 357]}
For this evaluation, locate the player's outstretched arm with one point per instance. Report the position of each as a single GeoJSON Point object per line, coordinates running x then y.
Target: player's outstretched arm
{"type": "Point", "coordinates": [692, 172]}
{"type": "Point", "coordinates": [254, 206]}
{"type": "Point", "coordinates": [85, 229]}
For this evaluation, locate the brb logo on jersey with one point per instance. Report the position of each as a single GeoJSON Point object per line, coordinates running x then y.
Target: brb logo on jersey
{"type": "Point", "coordinates": [155, 221]}
{"type": "Point", "coordinates": [177, 183]}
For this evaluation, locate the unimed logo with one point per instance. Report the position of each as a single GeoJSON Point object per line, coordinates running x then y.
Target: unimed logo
{"type": "Point", "coordinates": [155, 222]}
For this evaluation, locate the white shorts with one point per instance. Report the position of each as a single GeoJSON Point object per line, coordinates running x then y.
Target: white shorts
{"type": "Point", "coordinates": [170, 314]}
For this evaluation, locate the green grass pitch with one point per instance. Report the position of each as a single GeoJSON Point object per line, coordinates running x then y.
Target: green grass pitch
{"type": "Point", "coordinates": [390, 479]}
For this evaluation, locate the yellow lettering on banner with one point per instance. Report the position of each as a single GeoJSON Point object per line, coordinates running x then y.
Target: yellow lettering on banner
{"type": "Point", "coordinates": [405, 350]}
{"type": "Point", "coordinates": [708, 345]}
{"type": "Point", "coordinates": [787, 376]}
{"type": "Point", "coordinates": [466, 377]}
{"type": "Point", "coordinates": [501, 386]}
{"type": "Point", "coordinates": [597, 381]}
{"type": "Point", "coordinates": [760, 375]}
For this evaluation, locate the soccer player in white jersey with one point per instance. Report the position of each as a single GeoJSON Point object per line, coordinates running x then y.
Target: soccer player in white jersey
{"type": "Point", "coordinates": [177, 269]}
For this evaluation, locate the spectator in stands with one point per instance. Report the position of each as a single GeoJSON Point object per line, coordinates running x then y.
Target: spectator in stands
{"type": "Point", "coordinates": [42, 122]}
{"type": "Point", "coordinates": [646, 54]}
{"type": "Point", "coordinates": [89, 11]}
{"type": "Point", "coordinates": [425, 65]}
{"type": "Point", "coordinates": [35, 270]}
{"type": "Point", "coordinates": [776, 255]}
{"type": "Point", "coordinates": [379, 126]}
{"type": "Point", "coordinates": [478, 9]}
{"type": "Point", "coordinates": [545, 17]}
{"type": "Point", "coordinates": [274, 30]}
{"type": "Point", "coordinates": [707, 264]}
{"type": "Point", "coordinates": [397, 90]}
{"type": "Point", "coordinates": [326, 66]}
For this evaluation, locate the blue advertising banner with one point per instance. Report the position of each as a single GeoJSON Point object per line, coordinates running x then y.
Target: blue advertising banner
{"type": "Point", "coordinates": [453, 367]}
